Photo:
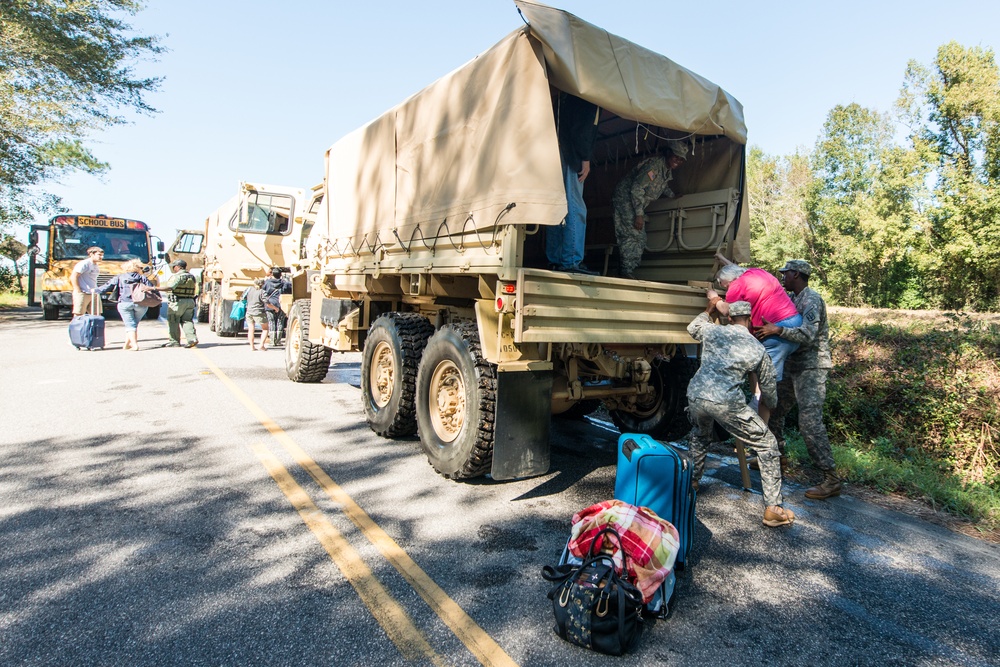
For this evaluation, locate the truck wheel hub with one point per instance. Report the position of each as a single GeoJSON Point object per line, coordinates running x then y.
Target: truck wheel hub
{"type": "Point", "coordinates": [382, 374]}
{"type": "Point", "coordinates": [447, 401]}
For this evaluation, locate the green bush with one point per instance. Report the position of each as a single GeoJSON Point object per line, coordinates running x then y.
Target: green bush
{"type": "Point", "coordinates": [8, 280]}
{"type": "Point", "coordinates": [913, 406]}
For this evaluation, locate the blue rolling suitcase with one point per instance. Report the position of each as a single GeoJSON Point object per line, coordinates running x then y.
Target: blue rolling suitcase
{"type": "Point", "coordinates": [656, 475]}
{"type": "Point", "coordinates": [86, 332]}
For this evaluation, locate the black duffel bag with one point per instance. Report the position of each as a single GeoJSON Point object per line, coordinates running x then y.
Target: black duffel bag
{"type": "Point", "coordinates": [594, 606]}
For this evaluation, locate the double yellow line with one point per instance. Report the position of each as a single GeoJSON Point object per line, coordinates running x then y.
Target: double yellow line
{"type": "Point", "coordinates": [395, 621]}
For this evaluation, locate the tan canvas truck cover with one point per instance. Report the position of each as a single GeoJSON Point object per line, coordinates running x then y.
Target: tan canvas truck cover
{"type": "Point", "coordinates": [432, 247]}
{"type": "Point", "coordinates": [417, 171]}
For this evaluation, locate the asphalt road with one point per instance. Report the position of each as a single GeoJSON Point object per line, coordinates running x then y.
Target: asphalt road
{"type": "Point", "coordinates": [195, 507]}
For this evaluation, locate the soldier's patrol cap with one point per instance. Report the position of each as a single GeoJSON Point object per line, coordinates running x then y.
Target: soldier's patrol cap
{"type": "Point", "coordinates": [179, 263]}
{"type": "Point", "coordinates": [800, 265]}
{"type": "Point", "coordinates": [739, 309]}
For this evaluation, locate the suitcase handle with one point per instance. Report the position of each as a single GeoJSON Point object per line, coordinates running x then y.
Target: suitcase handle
{"type": "Point", "coordinates": [628, 447]}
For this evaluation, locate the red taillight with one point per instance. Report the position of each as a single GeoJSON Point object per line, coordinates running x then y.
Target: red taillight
{"type": "Point", "coordinates": [509, 288]}
{"type": "Point", "coordinates": [500, 303]}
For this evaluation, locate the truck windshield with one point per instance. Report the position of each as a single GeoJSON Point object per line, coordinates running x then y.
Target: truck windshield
{"type": "Point", "coordinates": [118, 244]}
{"type": "Point", "coordinates": [266, 214]}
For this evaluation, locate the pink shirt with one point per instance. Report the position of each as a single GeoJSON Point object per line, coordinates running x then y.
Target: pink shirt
{"type": "Point", "coordinates": [768, 299]}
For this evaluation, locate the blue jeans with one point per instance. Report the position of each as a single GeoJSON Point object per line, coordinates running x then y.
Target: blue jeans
{"type": "Point", "coordinates": [131, 314]}
{"type": "Point", "coordinates": [564, 242]}
{"type": "Point", "coordinates": [779, 348]}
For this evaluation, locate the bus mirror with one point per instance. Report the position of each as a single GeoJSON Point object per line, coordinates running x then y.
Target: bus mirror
{"type": "Point", "coordinates": [33, 239]}
{"type": "Point", "coordinates": [34, 249]}
{"type": "Point", "coordinates": [159, 246]}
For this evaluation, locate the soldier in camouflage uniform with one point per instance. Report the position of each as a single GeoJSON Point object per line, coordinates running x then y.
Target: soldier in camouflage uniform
{"type": "Point", "coordinates": [805, 380]}
{"type": "Point", "coordinates": [645, 183]}
{"type": "Point", "coordinates": [729, 354]}
{"type": "Point", "coordinates": [180, 305]}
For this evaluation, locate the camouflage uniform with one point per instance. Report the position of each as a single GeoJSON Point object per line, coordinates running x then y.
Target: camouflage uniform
{"type": "Point", "coordinates": [805, 379]}
{"type": "Point", "coordinates": [646, 183]}
{"type": "Point", "coordinates": [181, 307]}
{"type": "Point", "coordinates": [729, 353]}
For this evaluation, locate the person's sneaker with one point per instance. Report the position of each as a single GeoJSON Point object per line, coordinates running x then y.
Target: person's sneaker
{"type": "Point", "coordinates": [829, 487]}
{"type": "Point", "coordinates": [776, 515]}
{"type": "Point", "coordinates": [192, 344]}
{"type": "Point", "coordinates": [171, 345]}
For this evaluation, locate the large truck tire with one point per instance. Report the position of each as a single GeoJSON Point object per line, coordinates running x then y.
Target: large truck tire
{"type": "Point", "coordinates": [662, 414]}
{"type": "Point", "coordinates": [456, 403]}
{"type": "Point", "coordinates": [304, 361]}
{"type": "Point", "coordinates": [389, 363]}
{"type": "Point", "coordinates": [202, 310]}
{"type": "Point", "coordinates": [225, 326]}
{"type": "Point", "coordinates": [50, 312]}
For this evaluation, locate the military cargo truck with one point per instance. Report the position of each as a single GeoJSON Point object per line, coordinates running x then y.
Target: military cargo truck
{"type": "Point", "coordinates": [428, 250]}
{"type": "Point", "coordinates": [260, 227]}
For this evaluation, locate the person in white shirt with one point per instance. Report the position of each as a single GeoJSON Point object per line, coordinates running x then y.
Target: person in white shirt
{"type": "Point", "coordinates": [84, 281]}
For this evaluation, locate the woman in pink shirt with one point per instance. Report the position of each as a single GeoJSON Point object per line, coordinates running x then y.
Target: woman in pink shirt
{"type": "Point", "coordinates": [768, 302]}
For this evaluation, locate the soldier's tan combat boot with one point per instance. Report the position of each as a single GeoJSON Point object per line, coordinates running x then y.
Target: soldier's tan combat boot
{"type": "Point", "coordinates": [776, 515]}
{"type": "Point", "coordinates": [829, 487]}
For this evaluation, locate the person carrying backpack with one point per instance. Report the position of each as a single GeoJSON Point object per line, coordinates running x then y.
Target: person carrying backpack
{"type": "Point", "coordinates": [181, 308]}
{"type": "Point", "coordinates": [273, 288]}
{"type": "Point", "coordinates": [131, 312]}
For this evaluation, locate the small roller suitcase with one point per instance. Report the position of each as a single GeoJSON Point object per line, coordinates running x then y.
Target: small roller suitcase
{"type": "Point", "coordinates": [657, 475]}
{"type": "Point", "coordinates": [86, 331]}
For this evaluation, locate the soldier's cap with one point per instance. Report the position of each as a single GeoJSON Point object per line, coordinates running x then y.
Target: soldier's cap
{"type": "Point", "coordinates": [678, 148]}
{"type": "Point", "coordinates": [179, 262]}
{"type": "Point", "coordinates": [800, 265]}
{"type": "Point", "coordinates": [739, 309]}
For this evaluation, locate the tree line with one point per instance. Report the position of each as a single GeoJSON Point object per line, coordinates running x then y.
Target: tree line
{"type": "Point", "coordinates": [898, 209]}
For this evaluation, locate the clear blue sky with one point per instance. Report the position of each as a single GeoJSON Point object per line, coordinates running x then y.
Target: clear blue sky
{"type": "Point", "coordinates": [257, 90]}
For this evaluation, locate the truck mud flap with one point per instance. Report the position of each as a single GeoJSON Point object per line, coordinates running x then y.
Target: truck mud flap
{"type": "Point", "coordinates": [521, 434]}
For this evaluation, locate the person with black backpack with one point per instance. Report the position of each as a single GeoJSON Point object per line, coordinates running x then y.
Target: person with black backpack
{"type": "Point", "coordinates": [273, 288]}
{"type": "Point", "coordinates": [181, 308]}
{"type": "Point", "coordinates": [123, 289]}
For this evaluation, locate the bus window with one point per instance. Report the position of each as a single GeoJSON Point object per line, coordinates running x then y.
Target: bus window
{"type": "Point", "coordinates": [118, 244]}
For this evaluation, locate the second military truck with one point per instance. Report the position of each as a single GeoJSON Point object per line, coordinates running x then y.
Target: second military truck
{"type": "Point", "coordinates": [428, 250]}
{"type": "Point", "coordinates": [260, 227]}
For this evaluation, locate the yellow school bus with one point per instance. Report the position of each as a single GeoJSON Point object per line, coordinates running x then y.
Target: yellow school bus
{"type": "Point", "coordinates": [66, 239]}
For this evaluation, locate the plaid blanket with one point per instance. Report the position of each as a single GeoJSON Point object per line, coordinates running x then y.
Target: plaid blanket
{"type": "Point", "coordinates": [650, 542]}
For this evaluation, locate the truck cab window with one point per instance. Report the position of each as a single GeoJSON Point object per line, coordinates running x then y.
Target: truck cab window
{"type": "Point", "coordinates": [189, 243]}
{"type": "Point", "coordinates": [266, 214]}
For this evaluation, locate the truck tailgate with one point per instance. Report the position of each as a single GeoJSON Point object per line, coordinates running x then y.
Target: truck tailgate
{"type": "Point", "coordinates": [555, 307]}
